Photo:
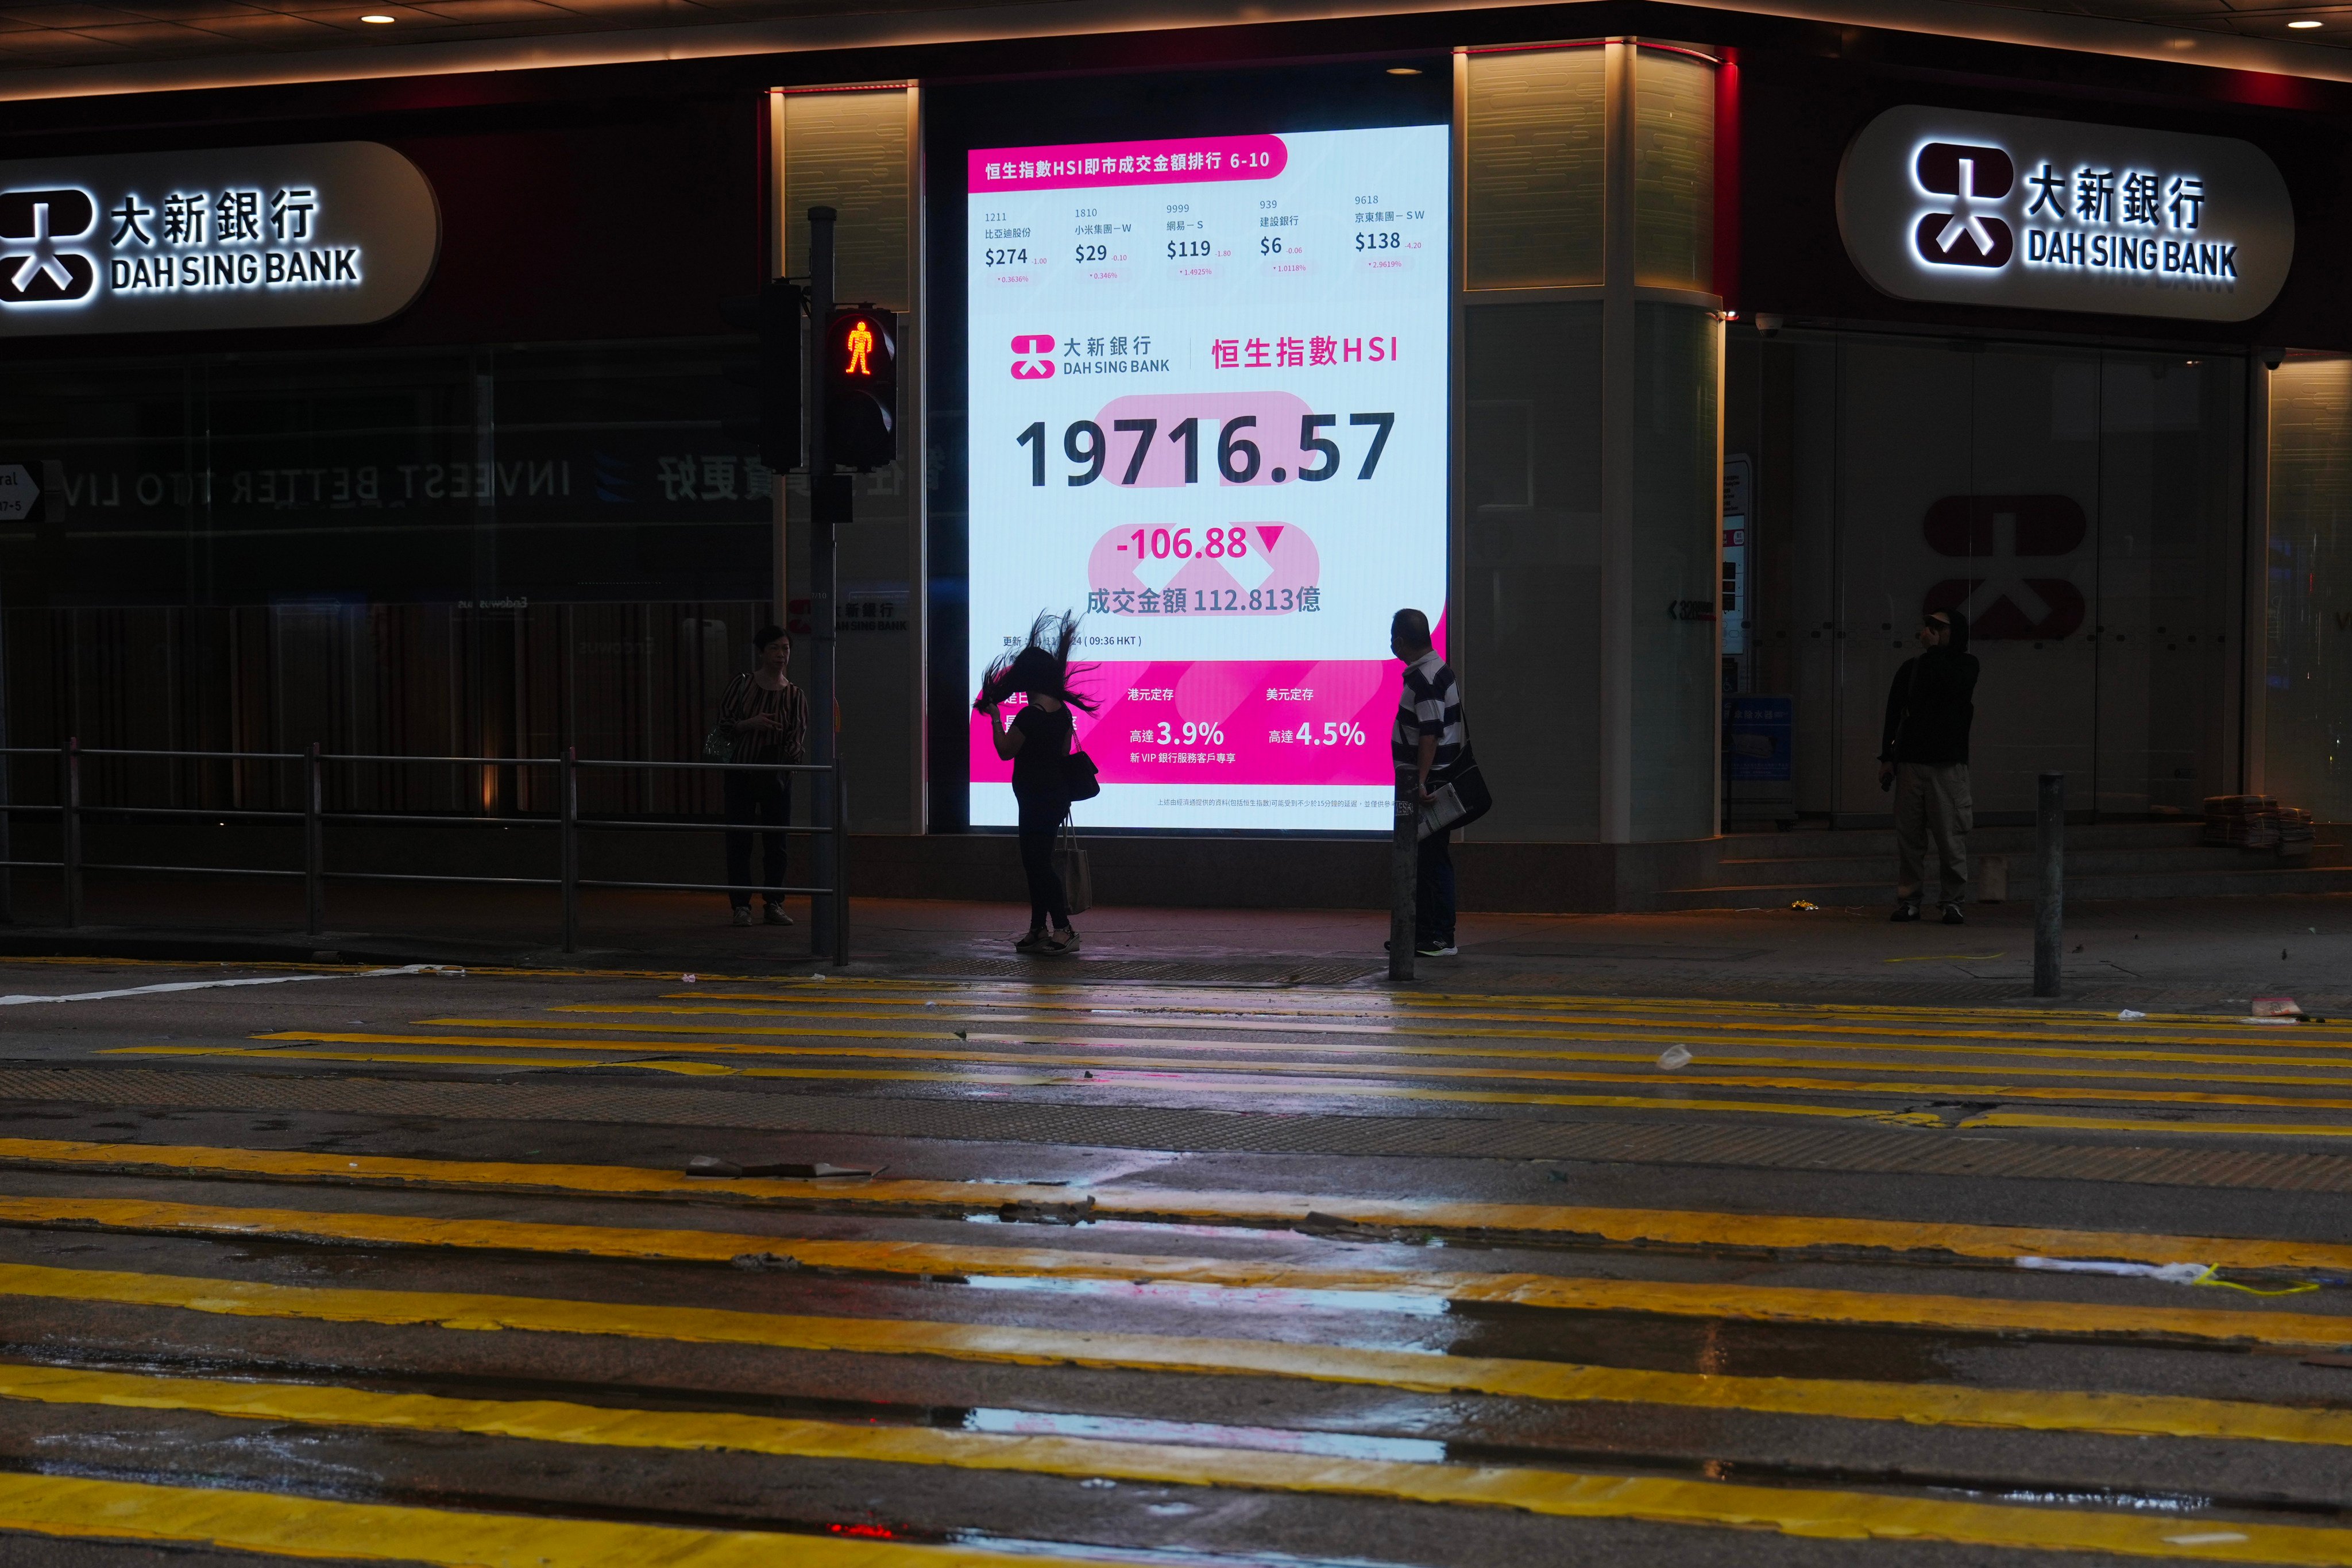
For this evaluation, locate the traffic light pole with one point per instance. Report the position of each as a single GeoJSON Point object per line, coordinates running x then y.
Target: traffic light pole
{"type": "Point", "coordinates": [828, 508]}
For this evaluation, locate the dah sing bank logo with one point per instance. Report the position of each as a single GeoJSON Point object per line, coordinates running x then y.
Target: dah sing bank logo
{"type": "Point", "coordinates": [1963, 236]}
{"type": "Point", "coordinates": [2004, 538]}
{"type": "Point", "coordinates": [1036, 357]}
{"type": "Point", "coordinates": [33, 270]}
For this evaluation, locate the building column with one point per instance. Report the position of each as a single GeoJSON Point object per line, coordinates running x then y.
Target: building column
{"type": "Point", "coordinates": [1620, 366]}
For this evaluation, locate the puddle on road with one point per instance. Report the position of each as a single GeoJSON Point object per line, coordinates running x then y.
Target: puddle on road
{"type": "Point", "coordinates": [1175, 1557]}
{"type": "Point", "coordinates": [1432, 1305]}
{"type": "Point", "coordinates": [2138, 1502]}
{"type": "Point", "coordinates": [1716, 1347]}
{"type": "Point", "coordinates": [1205, 1435]}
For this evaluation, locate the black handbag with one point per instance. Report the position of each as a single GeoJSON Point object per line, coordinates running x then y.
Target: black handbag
{"type": "Point", "coordinates": [1461, 800]}
{"type": "Point", "coordinates": [1079, 773]}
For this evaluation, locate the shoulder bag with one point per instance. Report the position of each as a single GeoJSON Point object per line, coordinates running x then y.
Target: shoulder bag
{"type": "Point", "coordinates": [1084, 781]}
{"type": "Point", "coordinates": [1070, 865]}
{"type": "Point", "coordinates": [1461, 800]}
{"type": "Point", "coordinates": [719, 746]}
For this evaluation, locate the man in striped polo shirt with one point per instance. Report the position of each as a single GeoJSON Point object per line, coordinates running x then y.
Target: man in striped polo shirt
{"type": "Point", "coordinates": [1429, 739]}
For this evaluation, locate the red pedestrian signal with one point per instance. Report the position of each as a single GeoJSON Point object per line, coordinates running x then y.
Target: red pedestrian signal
{"type": "Point", "coordinates": [861, 388]}
{"type": "Point", "coordinates": [860, 346]}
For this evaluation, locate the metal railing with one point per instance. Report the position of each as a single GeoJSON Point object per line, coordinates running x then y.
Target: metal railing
{"type": "Point", "coordinates": [567, 822]}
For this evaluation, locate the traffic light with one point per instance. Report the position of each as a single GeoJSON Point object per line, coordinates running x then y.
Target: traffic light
{"type": "Point", "coordinates": [775, 314]}
{"type": "Point", "coordinates": [860, 377]}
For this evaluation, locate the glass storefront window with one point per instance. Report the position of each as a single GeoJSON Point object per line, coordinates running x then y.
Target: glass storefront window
{"type": "Point", "coordinates": [2306, 674]}
{"type": "Point", "coordinates": [577, 471]}
{"type": "Point", "coordinates": [489, 552]}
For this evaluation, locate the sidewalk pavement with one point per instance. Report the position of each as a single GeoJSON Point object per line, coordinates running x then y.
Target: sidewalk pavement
{"type": "Point", "coordinates": [2192, 955]}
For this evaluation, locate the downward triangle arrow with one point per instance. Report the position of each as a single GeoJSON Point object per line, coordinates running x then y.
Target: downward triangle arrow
{"type": "Point", "coordinates": [1270, 532]}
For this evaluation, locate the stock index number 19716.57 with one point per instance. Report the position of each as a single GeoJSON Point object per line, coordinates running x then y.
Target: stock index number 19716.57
{"type": "Point", "coordinates": [1238, 456]}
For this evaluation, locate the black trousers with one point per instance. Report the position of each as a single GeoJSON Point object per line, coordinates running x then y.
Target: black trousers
{"type": "Point", "coordinates": [1041, 819]}
{"type": "Point", "coordinates": [756, 801]}
{"type": "Point", "coordinates": [1433, 891]}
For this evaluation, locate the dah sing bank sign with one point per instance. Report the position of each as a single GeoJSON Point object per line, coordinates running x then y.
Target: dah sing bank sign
{"type": "Point", "coordinates": [333, 234]}
{"type": "Point", "coordinates": [2049, 215]}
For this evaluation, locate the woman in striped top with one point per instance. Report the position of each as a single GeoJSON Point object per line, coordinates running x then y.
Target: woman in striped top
{"type": "Point", "coordinates": [767, 718]}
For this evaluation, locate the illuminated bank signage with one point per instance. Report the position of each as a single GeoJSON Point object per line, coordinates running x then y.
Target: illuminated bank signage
{"type": "Point", "coordinates": [333, 234]}
{"type": "Point", "coordinates": [2051, 214]}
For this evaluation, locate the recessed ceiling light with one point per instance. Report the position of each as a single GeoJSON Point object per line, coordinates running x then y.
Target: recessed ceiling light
{"type": "Point", "coordinates": [1415, 70]}
{"type": "Point", "coordinates": [2303, 24]}
{"type": "Point", "coordinates": [378, 16]}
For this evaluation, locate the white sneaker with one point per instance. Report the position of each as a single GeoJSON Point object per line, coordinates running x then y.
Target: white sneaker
{"type": "Point", "coordinates": [776, 916]}
{"type": "Point", "coordinates": [743, 915]}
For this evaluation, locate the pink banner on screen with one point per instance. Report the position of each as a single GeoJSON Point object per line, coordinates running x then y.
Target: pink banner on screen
{"type": "Point", "coordinates": [1187, 160]}
{"type": "Point", "coordinates": [1232, 721]}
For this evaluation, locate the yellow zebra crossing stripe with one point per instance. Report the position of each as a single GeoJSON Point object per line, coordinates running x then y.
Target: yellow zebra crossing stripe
{"type": "Point", "coordinates": [267, 1523]}
{"type": "Point", "coordinates": [1096, 996]}
{"type": "Point", "coordinates": [1669, 1227]}
{"type": "Point", "coordinates": [1152, 1085]}
{"type": "Point", "coordinates": [1367, 1056]}
{"type": "Point", "coordinates": [1183, 1074]}
{"type": "Point", "coordinates": [306, 1527]}
{"type": "Point", "coordinates": [1750, 1303]}
{"type": "Point", "coordinates": [1412, 1025]}
{"type": "Point", "coordinates": [1925, 1405]}
{"type": "Point", "coordinates": [1538, 1490]}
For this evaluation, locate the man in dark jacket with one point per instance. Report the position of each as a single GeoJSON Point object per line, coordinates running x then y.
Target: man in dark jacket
{"type": "Point", "coordinates": [1925, 760]}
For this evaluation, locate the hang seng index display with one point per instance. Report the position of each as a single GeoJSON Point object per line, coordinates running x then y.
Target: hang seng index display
{"type": "Point", "coordinates": [1208, 383]}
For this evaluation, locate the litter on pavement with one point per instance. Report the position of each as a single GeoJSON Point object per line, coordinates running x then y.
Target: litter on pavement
{"type": "Point", "coordinates": [2172, 1273]}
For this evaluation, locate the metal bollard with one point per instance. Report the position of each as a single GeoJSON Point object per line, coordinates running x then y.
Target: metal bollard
{"type": "Point", "coordinates": [7, 838]}
{"type": "Point", "coordinates": [567, 796]}
{"type": "Point", "coordinates": [1404, 854]}
{"type": "Point", "coordinates": [840, 894]}
{"type": "Point", "coordinates": [70, 831]}
{"type": "Point", "coordinates": [2050, 905]}
{"type": "Point", "coordinates": [314, 844]}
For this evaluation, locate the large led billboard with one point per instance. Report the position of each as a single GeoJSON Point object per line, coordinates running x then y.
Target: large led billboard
{"type": "Point", "coordinates": [1207, 383]}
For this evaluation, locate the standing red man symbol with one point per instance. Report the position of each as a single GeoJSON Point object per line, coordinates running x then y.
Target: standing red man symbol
{"type": "Point", "coordinates": [860, 343]}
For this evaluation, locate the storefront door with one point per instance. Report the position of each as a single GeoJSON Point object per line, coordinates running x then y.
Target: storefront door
{"type": "Point", "coordinates": [2082, 506]}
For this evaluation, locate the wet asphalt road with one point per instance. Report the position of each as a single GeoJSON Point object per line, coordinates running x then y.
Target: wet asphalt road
{"type": "Point", "coordinates": [407, 1268]}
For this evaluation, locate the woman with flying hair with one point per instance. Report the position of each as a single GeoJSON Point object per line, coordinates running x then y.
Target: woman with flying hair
{"type": "Point", "coordinates": [1037, 743]}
